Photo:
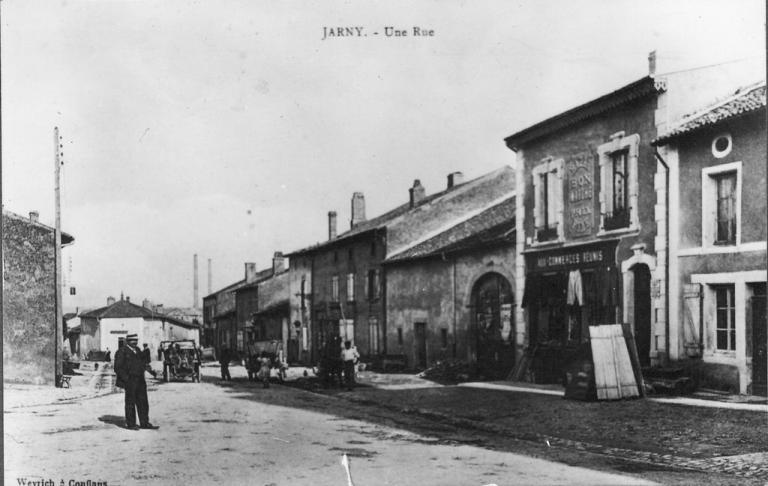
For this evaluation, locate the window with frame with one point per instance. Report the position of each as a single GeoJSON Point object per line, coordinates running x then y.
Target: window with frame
{"type": "Point", "coordinates": [303, 292]}
{"type": "Point", "coordinates": [350, 287]}
{"type": "Point", "coordinates": [721, 205]}
{"type": "Point", "coordinates": [548, 204]}
{"type": "Point", "coordinates": [335, 288]}
{"type": "Point", "coordinates": [725, 318]}
{"type": "Point", "coordinates": [618, 214]}
{"type": "Point", "coordinates": [619, 182]}
{"type": "Point", "coordinates": [372, 284]}
{"type": "Point", "coordinates": [725, 209]}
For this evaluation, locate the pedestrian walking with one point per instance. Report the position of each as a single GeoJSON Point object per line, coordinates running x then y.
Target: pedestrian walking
{"type": "Point", "coordinates": [349, 356]}
{"type": "Point", "coordinates": [108, 356]}
{"type": "Point", "coordinates": [224, 358]}
{"type": "Point", "coordinates": [130, 367]}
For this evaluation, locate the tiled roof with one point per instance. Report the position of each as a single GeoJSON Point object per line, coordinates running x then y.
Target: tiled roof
{"type": "Point", "coordinates": [745, 100]}
{"type": "Point", "coordinates": [125, 309]}
{"type": "Point", "coordinates": [636, 90]}
{"type": "Point", "coordinates": [228, 288]}
{"type": "Point", "coordinates": [429, 210]}
{"type": "Point", "coordinates": [494, 225]}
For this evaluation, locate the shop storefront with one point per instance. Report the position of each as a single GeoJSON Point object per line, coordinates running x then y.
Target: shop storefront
{"type": "Point", "coordinates": [566, 291]}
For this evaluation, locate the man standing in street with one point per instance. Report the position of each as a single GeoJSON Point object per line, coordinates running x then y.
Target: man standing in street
{"type": "Point", "coordinates": [224, 358]}
{"type": "Point", "coordinates": [350, 356]}
{"type": "Point", "coordinates": [130, 366]}
{"type": "Point", "coordinates": [147, 354]}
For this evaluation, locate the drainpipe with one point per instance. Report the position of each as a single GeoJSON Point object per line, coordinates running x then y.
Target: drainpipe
{"type": "Point", "coordinates": [666, 266]}
{"type": "Point", "coordinates": [453, 295]}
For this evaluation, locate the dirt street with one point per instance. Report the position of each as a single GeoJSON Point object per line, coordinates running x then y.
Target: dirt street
{"type": "Point", "coordinates": [239, 433]}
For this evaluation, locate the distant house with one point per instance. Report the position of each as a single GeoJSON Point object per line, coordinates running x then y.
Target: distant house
{"type": "Point", "coordinates": [106, 327]}
{"type": "Point", "coordinates": [31, 333]}
{"type": "Point", "coordinates": [250, 299]}
{"type": "Point", "coordinates": [270, 320]}
{"type": "Point", "coordinates": [717, 240]}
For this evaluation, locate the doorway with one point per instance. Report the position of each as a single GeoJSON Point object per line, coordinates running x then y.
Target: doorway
{"type": "Point", "coordinates": [420, 335]}
{"type": "Point", "coordinates": [642, 312]}
{"type": "Point", "coordinates": [759, 342]}
{"type": "Point", "coordinates": [492, 303]}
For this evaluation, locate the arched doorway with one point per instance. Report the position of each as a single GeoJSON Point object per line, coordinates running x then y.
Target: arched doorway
{"type": "Point", "coordinates": [642, 312]}
{"type": "Point", "coordinates": [492, 302]}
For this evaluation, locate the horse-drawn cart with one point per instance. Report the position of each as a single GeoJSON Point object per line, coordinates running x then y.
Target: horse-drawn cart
{"type": "Point", "coordinates": [181, 360]}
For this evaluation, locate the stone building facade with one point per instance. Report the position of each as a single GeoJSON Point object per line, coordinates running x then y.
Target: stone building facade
{"type": "Point", "coordinates": [451, 296]}
{"type": "Point", "coordinates": [30, 330]}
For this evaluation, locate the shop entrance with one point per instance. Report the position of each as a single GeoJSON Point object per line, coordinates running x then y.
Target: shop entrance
{"type": "Point", "coordinates": [642, 314]}
{"type": "Point", "coordinates": [759, 342]}
{"type": "Point", "coordinates": [492, 303]}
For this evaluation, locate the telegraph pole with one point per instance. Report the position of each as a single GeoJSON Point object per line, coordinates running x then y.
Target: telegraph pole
{"type": "Point", "coordinates": [57, 329]}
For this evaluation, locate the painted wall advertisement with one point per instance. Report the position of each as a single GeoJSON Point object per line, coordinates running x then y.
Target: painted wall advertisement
{"type": "Point", "coordinates": [579, 195]}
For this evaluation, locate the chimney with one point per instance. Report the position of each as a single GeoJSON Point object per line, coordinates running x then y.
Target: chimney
{"type": "Point", "coordinates": [210, 287]}
{"type": "Point", "coordinates": [194, 289]}
{"type": "Point", "coordinates": [278, 263]}
{"type": "Point", "coordinates": [128, 298]}
{"type": "Point", "coordinates": [652, 63]}
{"type": "Point", "coordinates": [146, 303]}
{"type": "Point", "coordinates": [331, 225]}
{"type": "Point", "coordinates": [250, 272]}
{"type": "Point", "coordinates": [358, 209]}
{"type": "Point", "coordinates": [110, 300]}
{"type": "Point", "coordinates": [417, 192]}
{"type": "Point", "coordinates": [34, 216]}
{"type": "Point", "coordinates": [454, 179]}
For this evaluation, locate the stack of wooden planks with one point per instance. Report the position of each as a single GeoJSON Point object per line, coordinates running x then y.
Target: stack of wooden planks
{"type": "Point", "coordinates": [615, 377]}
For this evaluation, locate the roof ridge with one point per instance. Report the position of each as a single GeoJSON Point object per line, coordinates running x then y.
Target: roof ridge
{"type": "Point", "coordinates": [452, 223]}
{"type": "Point", "coordinates": [740, 92]}
{"type": "Point", "coordinates": [455, 190]}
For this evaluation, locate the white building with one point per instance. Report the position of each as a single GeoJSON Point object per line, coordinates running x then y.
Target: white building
{"type": "Point", "coordinates": [106, 327]}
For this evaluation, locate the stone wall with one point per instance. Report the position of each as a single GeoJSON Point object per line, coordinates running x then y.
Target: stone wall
{"type": "Point", "coordinates": [29, 301]}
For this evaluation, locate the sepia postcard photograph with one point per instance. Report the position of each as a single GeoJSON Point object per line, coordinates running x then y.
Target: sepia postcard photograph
{"type": "Point", "coordinates": [368, 243]}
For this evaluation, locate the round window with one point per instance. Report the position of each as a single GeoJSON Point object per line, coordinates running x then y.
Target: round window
{"type": "Point", "coordinates": [722, 145]}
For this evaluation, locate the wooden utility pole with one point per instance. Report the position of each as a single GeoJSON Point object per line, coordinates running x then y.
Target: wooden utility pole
{"type": "Point", "coordinates": [57, 329]}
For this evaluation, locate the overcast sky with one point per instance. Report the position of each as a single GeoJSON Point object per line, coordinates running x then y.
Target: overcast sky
{"type": "Point", "coordinates": [230, 129]}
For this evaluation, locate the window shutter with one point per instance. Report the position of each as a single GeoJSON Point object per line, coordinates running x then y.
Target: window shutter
{"type": "Point", "coordinates": [537, 204]}
{"type": "Point", "coordinates": [692, 316]}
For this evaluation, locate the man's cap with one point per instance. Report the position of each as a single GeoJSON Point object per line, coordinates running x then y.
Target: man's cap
{"type": "Point", "coordinates": [132, 337]}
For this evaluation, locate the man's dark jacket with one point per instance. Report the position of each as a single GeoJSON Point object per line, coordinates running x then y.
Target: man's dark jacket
{"type": "Point", "coordinates": [129, 366]}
